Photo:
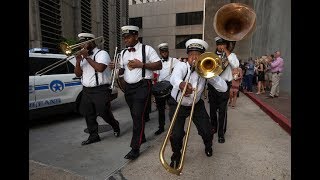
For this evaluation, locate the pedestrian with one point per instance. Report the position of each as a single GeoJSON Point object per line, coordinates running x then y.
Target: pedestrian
{"type": "Point", "coordinates": [276, 66]}
{"type": "Point", "coordinates": [91, 66]}
{"type": "Point", "coordinates": [235, 85]}
{"type": "Point", "coordinates": [137, 64]}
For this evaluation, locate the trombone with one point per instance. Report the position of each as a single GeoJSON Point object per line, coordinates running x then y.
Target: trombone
{"type": "Point", "coordinates": [69, 51]}
{"type": "Point", "coordinates": [207, 65]}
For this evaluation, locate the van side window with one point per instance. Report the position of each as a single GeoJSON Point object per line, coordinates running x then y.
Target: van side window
{"type": "Point", "coordinates": [37, 63]}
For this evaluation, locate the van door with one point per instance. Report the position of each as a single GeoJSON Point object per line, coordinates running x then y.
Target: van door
{"type": "Point", "coordinates": [32, 94]}
{"type": "Point", "coordinates": [57, 86]}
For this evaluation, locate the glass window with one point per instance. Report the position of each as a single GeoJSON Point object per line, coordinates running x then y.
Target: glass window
{"type": "Point", "coordinates": [182, 39]}
{"type": "Point", "coordinates": [36, 64]}
{"type": "Point", "coordinates": [190, 18]}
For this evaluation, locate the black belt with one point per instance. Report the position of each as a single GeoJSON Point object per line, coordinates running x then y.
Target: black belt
{"type": "Point", "coordinates": [100, 86]}
{"type": "Point", "coordinates": [276, 72]}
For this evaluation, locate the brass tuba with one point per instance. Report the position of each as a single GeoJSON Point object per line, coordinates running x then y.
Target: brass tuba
{"type": "Point", "coordinates": [234, 22]}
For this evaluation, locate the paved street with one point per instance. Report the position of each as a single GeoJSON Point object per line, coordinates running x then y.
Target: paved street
{"type": "Point", "coordinates": [256, 148]}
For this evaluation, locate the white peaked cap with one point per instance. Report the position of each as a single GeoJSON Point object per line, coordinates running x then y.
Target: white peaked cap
{"type": "Point", "coordinates": [196, 44]}
{"type": "Point", "coordinates": [163, 46]}
{"type": "Point", "coordinates": [129, 29]}
{"type": "Point", "coordinates": [217, 38]}
{"type": "Point", "coordinates": [86, 36]}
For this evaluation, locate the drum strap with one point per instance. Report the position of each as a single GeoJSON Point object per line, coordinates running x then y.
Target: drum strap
{"type": "Point", "coordinates": [183, 80]}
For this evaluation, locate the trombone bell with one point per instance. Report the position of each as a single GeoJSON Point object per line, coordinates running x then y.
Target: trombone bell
{"type": "Point", "coordinates": [208, 65]}
{"type": "Point", "coordinates": [65, 48]}
{"type": "Point", "coordinates": [68, 49]}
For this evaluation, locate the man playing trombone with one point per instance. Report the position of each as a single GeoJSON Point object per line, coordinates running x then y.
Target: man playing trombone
{"type": "Point", "coordinates": [91, 66]}
{"type": "Point", "coordinates": [184, 75]}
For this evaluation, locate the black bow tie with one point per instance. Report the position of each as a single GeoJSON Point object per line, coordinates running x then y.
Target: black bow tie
{"type": "Point", "coordinates": [164, 60]}
{"type": "Point", "coordinates": [131, 49]}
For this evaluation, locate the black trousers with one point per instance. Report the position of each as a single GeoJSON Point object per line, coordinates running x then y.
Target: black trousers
{"type": "Point", "coordinates": [218, 108]}
{"type": "Point", "coordinates": [161, 106]}
{"type": "Point", "coordinates": [200, 118]}
{"type": "Point", "coordinates": [136, 96]}
{"type": "Point", "coordinates": [95, 101]}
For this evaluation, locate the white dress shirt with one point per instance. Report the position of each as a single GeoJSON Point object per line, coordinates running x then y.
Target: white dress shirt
{"type": "Point", "coordinates": [135, 75]}
{"type": "Point", "coordinates": [88, 73]}
{"type": "Point", "coordinates": [167, 66]}
{"type": "Point", "coordinates": [180, 71]}
{"type": "Point", "coordinates": [234, 63]}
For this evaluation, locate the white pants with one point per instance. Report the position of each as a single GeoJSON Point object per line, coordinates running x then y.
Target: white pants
{"type": "Point", "coordinates": [275, 84]}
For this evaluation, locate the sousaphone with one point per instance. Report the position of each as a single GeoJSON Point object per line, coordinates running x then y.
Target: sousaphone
{"type": "Point", "coordinates": [234, 22]}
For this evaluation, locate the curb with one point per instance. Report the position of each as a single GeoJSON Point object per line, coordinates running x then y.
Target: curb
{"type": "Point", "coordinates": [274, 114]}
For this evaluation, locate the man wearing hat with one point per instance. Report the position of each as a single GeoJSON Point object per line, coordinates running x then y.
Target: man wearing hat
{"type": "Point", "coordinates": [219, 100]}
{"type": "Point", "coordinates": [168, 63]}
{"type": "Point", "coordinates": [137, 63]}
{"type": "Point", "coordinates": [91, 66]}
{"type": "Point", "coordinates": [184, 75]}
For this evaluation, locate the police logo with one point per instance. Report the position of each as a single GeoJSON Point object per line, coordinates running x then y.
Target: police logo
{"type": "Point", "coordinates": [56, 86]}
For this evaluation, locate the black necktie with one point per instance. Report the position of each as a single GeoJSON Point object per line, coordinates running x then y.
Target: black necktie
{"type": "Point", "coordinates": [131, 49]}
{"type": "Point", "coordinates": [164, 60]}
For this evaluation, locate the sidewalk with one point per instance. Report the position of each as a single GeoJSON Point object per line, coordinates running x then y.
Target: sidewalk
{"type": "Point", "coordinates": [279, 108]}
{"type": "Point", "coordinates": [256, 148]}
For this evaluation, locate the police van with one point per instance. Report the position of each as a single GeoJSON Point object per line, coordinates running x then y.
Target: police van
{"type": "Point", "coordinates": [53, 86]}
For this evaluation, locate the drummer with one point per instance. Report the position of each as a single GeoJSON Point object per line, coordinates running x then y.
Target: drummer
{"type": "Point", "coordinates": [168, 63]}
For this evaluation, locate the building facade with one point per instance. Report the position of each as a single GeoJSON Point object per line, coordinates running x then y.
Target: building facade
{"type": "Point", "coordinates": [54, 21]}
{"type": "Point", "coordinates": [176, 21]}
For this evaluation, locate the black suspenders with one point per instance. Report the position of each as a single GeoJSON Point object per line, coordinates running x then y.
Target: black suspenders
{"type": "Point", "coordinates": [96, 73]}
{"type": "Point", "coordinates": [143, 58]}
{"type": "Point", "coordinates": [183, 80]}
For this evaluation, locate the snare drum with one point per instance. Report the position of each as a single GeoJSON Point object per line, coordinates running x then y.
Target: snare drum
{"type": "Point", "coordinates": [162, 89]}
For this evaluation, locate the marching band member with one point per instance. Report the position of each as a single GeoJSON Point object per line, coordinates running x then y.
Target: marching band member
{"type": "Point", "coordinates": [168, 63]}
{"type": "Point", "coordinates": [219, 100]}
{"type": "Point", "coordinates": [91, 66]}
{"type": "Point", "coordinates": [181, 73]}
{"type": "Point", "coordinates": [137, 64]}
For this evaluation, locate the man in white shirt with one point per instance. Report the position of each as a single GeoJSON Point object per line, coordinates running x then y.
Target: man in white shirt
{"type": "Point", "coordinates": [219, 100]}
{"type": "Point", "coordinates": [137, 63]}
{"type": "Point", "coordinates": [168, 63]}
{"type": "Point", "coordinates": [91, 66]}
{"type": "Point", "coordinates": [184, 75]}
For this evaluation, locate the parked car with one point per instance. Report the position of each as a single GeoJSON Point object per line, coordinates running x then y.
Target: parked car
{"type": "Point", "coordinates": [53, 86]}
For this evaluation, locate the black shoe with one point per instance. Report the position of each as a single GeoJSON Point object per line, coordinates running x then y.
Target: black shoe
{"type": "Point", "coordinates": [133, 154]}
{"type": "Point", "coordinates": [91, 140]}
{"type": "Point", "coordinates": [208, 151]}
{"type": "Point", "coordinates": [175, 160]}
{"type": "Point", "coordinates": [174, 164]}
{"type": "Point", "coordinates": [160, 130]}
{"type": "Point", "coordinates": [221, 140]}
{"type": "Point", "coordinates": [116, 131]}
